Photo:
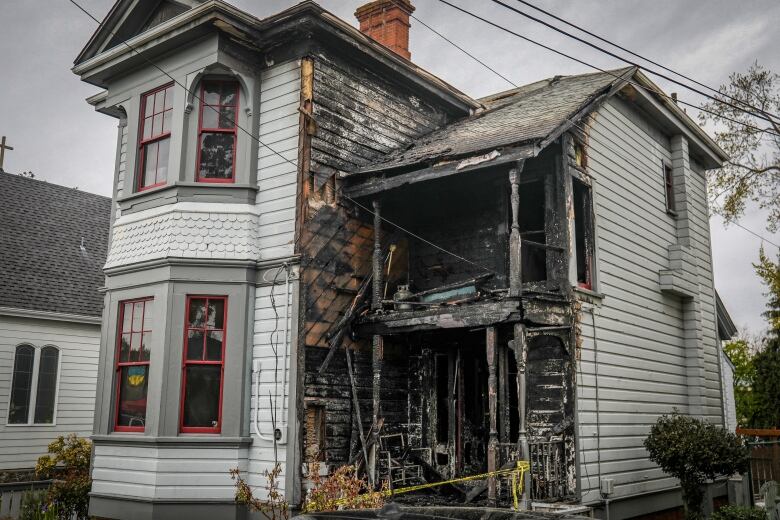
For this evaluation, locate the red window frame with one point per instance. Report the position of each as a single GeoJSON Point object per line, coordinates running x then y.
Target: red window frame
{"type": "Point", "coordinates": [204, 130]}
{"type": "Point", "coordinates": [669, 187]}
{"type": "Point", "coordinates": [152, 138]}
{"type": "Point", "coordinates": [118, 365]}
{"type": "Point", "coordinates": [186, 363]}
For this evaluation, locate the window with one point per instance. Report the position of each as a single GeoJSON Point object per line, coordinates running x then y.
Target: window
{"type": "Point", "coordinates": [204, 354]}
{"type": "Point", "coordinates": [669, 188]}
{"type": "Point", "coordinates": [155, 137]}
{"type": "Point", "coordinates": [34, 369]}
{"type": "Point", "coordinates": [132, 364]}
{"type": "Point", "coordinates": [217, 131]}
{"type": "Point", "coordinates": [583, 233]}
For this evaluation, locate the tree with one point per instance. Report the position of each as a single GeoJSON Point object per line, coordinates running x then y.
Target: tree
{"type": "Point", "coordinates": [769, 272]}
{"type": "Point", "coordinates": [751, 141]}
{"type": "Point", "coordinates": [741, 356]}
{"type": "Point", "coordinates": [766, 387]}
{"type": "Point", "coordinates": [694, 451]}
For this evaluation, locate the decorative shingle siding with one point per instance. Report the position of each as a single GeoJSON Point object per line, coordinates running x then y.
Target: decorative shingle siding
{"type": "Point", "coordinates": [191, 230]}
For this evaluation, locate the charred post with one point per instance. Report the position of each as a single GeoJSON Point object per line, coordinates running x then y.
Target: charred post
{"type": "Point", "coordinates": [515, 256]}
{"type": "Point", "coordinates": [521, 354]}
{"type": "Point", "coordinates": [492, 459]}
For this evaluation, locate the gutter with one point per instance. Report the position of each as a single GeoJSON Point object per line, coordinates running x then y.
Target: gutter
{"type": "Point", "coordinates": [50, 315]}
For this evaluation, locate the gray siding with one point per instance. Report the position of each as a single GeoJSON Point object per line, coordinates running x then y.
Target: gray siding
{"type": "Point", "coordinates": [277, 176]}
{"type": "Point", "coordinates": [20, 446]}
{"type": "Point", "coordinates": [123, 180]}
{"type": "Point", "coordinates": [639, 340]}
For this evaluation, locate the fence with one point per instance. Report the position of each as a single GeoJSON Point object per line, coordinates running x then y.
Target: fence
{"type": "Point", "coordinates": [764, 457]}
{"type": "Point", "coordinates": [12, 494]}
{"type": "Point", "coordinates": [548, 470]}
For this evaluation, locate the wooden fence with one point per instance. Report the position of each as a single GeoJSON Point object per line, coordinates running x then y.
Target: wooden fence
{"type": "Point", "coordinates": [764, 456]}
{"type": "Point", "coordinates": [12, 494]}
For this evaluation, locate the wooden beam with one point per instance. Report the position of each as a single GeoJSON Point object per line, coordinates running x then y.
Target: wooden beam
{"type": "Point", "coordinates": [492, 462]}
{"type": "Point", "coordinates": [519, 346]}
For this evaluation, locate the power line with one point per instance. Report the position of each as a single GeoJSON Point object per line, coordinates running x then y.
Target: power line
{"type": "Point", "coordinates": [614, 55]}
{"type": "Point", "coordinates": [763, 238]}
{"type": "Point", "coordinates": [656, 92]}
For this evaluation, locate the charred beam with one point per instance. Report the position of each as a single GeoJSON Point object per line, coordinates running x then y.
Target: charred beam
{"type": "Point", "coordinates": [518, 344]}
{"type": "Point", "coordinates": [492, 462]}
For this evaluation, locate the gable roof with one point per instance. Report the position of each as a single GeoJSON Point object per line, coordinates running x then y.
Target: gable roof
{"type": "Point", "coordinates": [43, 266]}
{"type": "Point", "coordinates": [529, 114]}
{"type": "Point", "coordinates": [726, 327]}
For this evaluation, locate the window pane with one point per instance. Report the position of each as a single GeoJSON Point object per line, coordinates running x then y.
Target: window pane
{"type": "Point", "coordinates": [196, 317]}
{"type": "Point", "coordinates": [47, 386]}
{"type": "Point", "coordinates": [124, 348]}
{"type": "Point", "coordinates": [149, 106]}
{"type": "Point", "coordinates": [150, 163]}
{"type": "Point", "coordinates": [127, 316]}
{"type": "Point", "coordinates": [157, 124]}
{"type": "Point", "coordinates": [201, 396]}
{"type": "Point", "coordinates": [210, 116]}
{"type": "Point", "coordinates": [169, 98]}
{"type": "Point", "coordinates": [211, 93]}
{"type": "Point", "coordinates": [227, 117]}
{"type": "Point", "coordinates": [159, 101]}
{"type": "Point", "coordinates": [214, 345]}
{"type": "Point", "coordinates": [138, 316]}
{"type": "Point", "coordinates": [21, 385]}
{"type": "Point", "coordinates": [133, 386]}
{"type": "Point", "coordinates": [146, 346]}
{"type": "Point", "coordinates": [194, 345]}
{"type": "Point", "coordinates": [135, 346]}
{"type": "Point", "coordinates": [216, 156]}
{"type": "Point", "coordinates": [216, 314]}
{"type": "Point", "coordinates": [229, 90]}
{"type": "Point", "coordinates": [147, 128]}
{"type": "Point", "coordinates": [162, 160]}
{"type": "Point", "coordinates": [167, 115]}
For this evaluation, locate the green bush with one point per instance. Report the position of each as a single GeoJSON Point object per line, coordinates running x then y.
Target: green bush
{"type": "Point", "coordinates": [739, 513]}
{"type": "Point", "coordinates": [67, 462]}
{"type": "Point", "coordinates": [695, 451]}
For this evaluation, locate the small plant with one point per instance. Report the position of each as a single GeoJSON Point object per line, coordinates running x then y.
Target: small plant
{"type": "Point", "coordinates": [275, 507]}
{"type": "Point", "coordinates": [694, 451]}
{"type": "Point", "coordinates": [68, 462]}
{"type": "Point", "coordinates": [739, 513]}
{"type": "Point", "coordinates": [341, 490]}
{"type": "Point", "coordinates": [35, 506]}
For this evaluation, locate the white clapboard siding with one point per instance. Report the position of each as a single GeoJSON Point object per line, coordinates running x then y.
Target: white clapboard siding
{"type": "Point", "coordinates": [274, 386]}
{"type": "Point", "coordinates": [639, 332]}
{"type": "Point", "coordinates": [79, 344]}
{"type": "Point", "coordinates": [175, 472]}
{"type": "Point", "coordinates": [121, 175]}
{"type": "Point", "coordinates": [277, 171]}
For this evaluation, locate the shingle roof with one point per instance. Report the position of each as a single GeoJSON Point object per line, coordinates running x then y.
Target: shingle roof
{"type": "Point", "coordinates": [42, 264]}
{"type": "Point", "coordinates": [527, 114]}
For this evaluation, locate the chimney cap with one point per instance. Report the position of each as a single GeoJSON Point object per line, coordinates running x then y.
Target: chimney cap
{"type": "Point", "coordinates": [379, 5]}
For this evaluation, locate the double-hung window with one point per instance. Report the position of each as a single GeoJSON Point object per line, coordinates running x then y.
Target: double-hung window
{"type": "Point", "coordinates": [669, 188]}
{"type": "Point", "coordinates": [217, 131]}
{"type": "Point", "coordinates": [203, 370]}
{"type": "Point", "coordinates": [34, 385]}
{"type": "Point", "coordinates": [154, 133]}
{"type": "Point", "coordinates": [132, 364]}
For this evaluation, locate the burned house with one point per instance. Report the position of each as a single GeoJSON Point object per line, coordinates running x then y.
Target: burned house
{"type": "Point", "coordinates": [358, 264]}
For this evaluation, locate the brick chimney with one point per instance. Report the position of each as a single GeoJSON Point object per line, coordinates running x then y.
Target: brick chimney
{"type": "Point", "coordinates": [387, 21]}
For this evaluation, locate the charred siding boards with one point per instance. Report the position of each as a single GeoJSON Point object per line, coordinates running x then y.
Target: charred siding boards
{"type": "Point", "coordinates": [360, 117]}
{"type": "Point", "coordinates": [639, 332]}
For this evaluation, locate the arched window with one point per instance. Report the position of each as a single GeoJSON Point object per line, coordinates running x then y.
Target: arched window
{"type": "Point", "coordinates": [21, 387]}
{"type": "Point", "coordinates": [217, 131]}
{"type": "Point", "coordinates": [34, 385]}
{"type": "Point", "coordinates": [46, 393]}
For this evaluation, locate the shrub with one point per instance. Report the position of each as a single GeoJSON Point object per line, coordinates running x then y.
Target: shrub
{"type": "Point", "coordinates": [739, 513]}
{"type": "Point", "coordinates": [343, 489]}
{"type": "Point", "coordinates": [275, 507]}
{"type": "Point", "coordinates": [35, 506]}
{"type": "Point", "coordinates": [68, 461]}
{"type": "Point", "coordinates": [694, 451]}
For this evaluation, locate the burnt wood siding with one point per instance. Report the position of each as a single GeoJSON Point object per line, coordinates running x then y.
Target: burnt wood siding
{"type": "Point", "coordinates": [360, 117]}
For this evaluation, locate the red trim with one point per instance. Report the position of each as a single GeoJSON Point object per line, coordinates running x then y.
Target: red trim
{"type": "Point", "coordinates": [203, 361]}
{"type": "Point", "coordinates": [152, 138]}
{"type": "Point", "coordinates": [118, 365]}
{"type": "Point", "coordinates": [202, 130]}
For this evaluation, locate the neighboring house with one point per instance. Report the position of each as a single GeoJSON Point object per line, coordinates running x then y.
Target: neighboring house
{"type": "Point", "coordinates": [726, 331]}
{"type": "Point", "coordinates": [53, 243]}
{"type": "Point", "coordinates": [524, 276]}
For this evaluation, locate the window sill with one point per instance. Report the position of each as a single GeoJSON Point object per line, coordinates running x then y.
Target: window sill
{"type": "Point", "coordinates": [672, 213]}
{"type": "Point", "coordinates": [31, 425]}
{"type": "Point", "coordinates": [188, 191]}
{"type": "Point", "coordinates": [589, 295]}
{"type": "Point", "coordinates": [130, 439]}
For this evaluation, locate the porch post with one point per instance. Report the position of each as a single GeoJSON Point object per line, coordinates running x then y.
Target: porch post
{"type": "Point", "coordinates": [521, 355]}
{"type": "Point", "coordinates": [492, 462]}
{"type": "Point", "coordinates": [377, 344]}
{"type": "Point", "coordinates": [515, 251]}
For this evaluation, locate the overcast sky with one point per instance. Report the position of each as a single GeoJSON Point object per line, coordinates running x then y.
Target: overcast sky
{"type": "Point", "coordinates": [58, 136]}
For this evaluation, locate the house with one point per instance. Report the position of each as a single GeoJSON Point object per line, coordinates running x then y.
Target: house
{"type": "Point", "coordinates": [323, 253]}
{"type": "Point", "coordinates": [52, 249]}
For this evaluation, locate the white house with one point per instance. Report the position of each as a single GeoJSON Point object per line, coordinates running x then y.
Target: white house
{"type": "Point", "coordinates": [53, 244]}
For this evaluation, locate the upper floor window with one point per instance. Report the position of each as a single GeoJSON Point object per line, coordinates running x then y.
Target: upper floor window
{"type": "Point", "coordinates": [217, 131]}
{"type": "Point", "coordinates": [669, 188]}
{"type": "Point", "coordinates": [154, 141]}
{"type": "Point", "coordinates": [583, 233]}
{"type": "Point", "coordinates": [34, 385]}
{"type": "Point", "coordinates": [132, 364]}
{"type": "Point", "coordinates": [204, 356]}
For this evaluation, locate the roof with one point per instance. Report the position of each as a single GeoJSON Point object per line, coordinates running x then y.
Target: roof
{"type": "Point", "coordinates": [726, 327]}
{"type": "Point", "coordinates": [43, 265]}
{"type": "Point", "coordinates": [531, 113]}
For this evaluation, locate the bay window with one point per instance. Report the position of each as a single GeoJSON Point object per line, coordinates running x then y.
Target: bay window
{"type": "Point", "coordinates": [203, 366]}
{"type": "Point", "coordinates": [217, 131]}
{"type": "Point", "coordinates": [155, 137]}
{"type": "Point", "coordinates": [132, 364]}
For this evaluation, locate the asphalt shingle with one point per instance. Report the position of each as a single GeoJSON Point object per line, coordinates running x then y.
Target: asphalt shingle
{"type": "Point", "coordinates": [43, 265]}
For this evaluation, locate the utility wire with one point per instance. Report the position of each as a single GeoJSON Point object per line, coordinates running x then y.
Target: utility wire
{"type": "Point", "coordinates": [644, 58]}
{"type": "Point", "coordinates": [625, 60]}
{"type": "Point", "coordinates": [656, 92]}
